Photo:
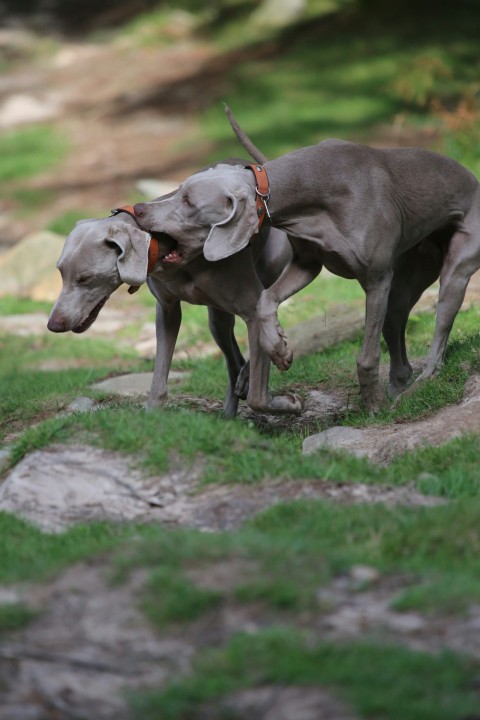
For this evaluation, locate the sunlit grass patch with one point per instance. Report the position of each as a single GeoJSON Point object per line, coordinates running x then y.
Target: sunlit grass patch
{"type": "Point", "coordinates": [349, 80]}
{"type": "Point", "coordinates": [11, 305]}
{"type": "Point", "coordinates": [29, 151]}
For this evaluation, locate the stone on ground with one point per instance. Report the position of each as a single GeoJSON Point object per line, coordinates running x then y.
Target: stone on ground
{"type": "Point", "coordinates": [29, 268]}
{"type": "Point", "coordinates": [381, 443]}
{"type": "Point", "coordinates": [134, 384]}
{"type": "Point", "coordinates": [62, 485]}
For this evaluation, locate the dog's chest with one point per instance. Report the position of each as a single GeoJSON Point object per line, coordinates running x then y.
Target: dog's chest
{"type": "Point", "coordinates": [187, 288]}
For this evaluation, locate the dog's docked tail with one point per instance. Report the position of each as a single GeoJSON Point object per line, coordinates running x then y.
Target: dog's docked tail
{"type": "Point", "coordinates": [252, 149]}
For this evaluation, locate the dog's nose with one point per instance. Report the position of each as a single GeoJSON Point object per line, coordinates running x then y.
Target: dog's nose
{"type": "Point", "coordinates": [57, 324]}
{"type": "Point", "coordinates": [139, 209]}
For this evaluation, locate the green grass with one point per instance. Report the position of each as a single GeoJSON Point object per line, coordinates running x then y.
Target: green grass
{"type": "Point", "coordinates": [28, 554]}
{"type": "Point", "coordinates": [290, 552]}
{"type": "Point", "coordinates": [29, 151]}
{"type": "Point", "coordinates": [10, 305]}
{"type": "Point", "coordinates": [295, 549]}
{"type": "Point", "coordinates": [169, 597]}
{"type": "Point", "coordinates": [15, 616]}
{"type": "Point", "coordinates": [30, 394]}
{"type": "Point", "coordinates": [376, 681]}
{"type": "Point", "coordinates": [238, 452]}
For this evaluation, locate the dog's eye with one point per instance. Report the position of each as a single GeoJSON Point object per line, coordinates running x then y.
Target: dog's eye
{"type": "Point", "coordinates": [187, 201]}
{"type": "Point", "coordinates": [83, 279]}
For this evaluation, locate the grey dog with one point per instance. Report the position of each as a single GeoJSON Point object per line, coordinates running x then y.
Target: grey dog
{"type": "Point", "coordinates": [394, 219]}
{"type": "Point", "coordinates": [101, 254]}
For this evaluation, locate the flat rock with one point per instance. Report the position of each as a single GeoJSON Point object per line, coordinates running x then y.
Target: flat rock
{"type": "Point", "coordinates": [23, 109]}
{"type": "Point", "coordinates": [135, 384]}
{"type": "Point", "coordinates": [337, 438]}
{"type": "Point", "coordinates": [61, 485]}
{"type": "Point", "coordinates": [381, 443]}
{"type": "Point", "coordinates": [66, 484]}
{"type": "Point", "coordinates": [81, 404]}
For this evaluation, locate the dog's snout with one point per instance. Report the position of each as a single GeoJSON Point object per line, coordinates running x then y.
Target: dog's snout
{"type": "Point", "coordinates": [57, 323]}
{"type": "Point", "coordinates": [140, 209]}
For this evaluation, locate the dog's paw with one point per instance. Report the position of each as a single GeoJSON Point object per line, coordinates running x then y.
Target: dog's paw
{"type": "Point", "coordinates": [282, 357]}
{"type": "Point", "coordinates": [374, 399]}
{"type": "Point", "coordinates": [274, 343]}
{"type": "Point", "coordinates": [279, 405]}
{"type": "Point", "coordinates": [290, 403]}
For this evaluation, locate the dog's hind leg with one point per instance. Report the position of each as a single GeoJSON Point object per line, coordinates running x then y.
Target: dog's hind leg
{"type": "Point", "coordinates": [413, 273]}
{"type": "Point", "coordinates": [461, 261]}
{"type": "Point", "coordinates": [221, 326]}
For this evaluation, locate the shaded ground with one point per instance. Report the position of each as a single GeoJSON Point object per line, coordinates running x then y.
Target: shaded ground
{"type": "Point", "coordinates": [91, 643]}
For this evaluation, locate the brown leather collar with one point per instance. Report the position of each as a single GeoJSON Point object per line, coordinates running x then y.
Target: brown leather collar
{"type": "Point", "coordinates": [262, 191]}
{"type": "Point", "coordinates": [153, 248]}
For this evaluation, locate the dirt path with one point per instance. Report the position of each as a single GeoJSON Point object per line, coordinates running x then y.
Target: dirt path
{"type": "Point", "coordinates": [103, 98]}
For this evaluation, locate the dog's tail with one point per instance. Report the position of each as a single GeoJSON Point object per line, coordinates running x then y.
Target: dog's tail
{"type": "Point", "coordinates": [252, 149]}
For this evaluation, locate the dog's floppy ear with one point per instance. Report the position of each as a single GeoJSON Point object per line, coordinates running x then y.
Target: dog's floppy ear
{"type": "Point", "coordinates": [234, 233]}
{"type": "Point", "coordinates": [132, 260]}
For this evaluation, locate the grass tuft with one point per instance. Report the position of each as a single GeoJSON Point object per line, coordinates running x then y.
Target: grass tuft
{"type": "Point", "coordinates": [407, 683]}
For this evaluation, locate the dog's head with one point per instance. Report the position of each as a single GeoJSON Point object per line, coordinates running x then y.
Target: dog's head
{"type": "Point", "coordinates": [211, 212]}
{"type": "Point", "coordinates": [98, 256]}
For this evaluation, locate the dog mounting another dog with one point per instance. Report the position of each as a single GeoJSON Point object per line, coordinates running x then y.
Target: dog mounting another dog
{"type": "Point", "coordinates": [394, 219]}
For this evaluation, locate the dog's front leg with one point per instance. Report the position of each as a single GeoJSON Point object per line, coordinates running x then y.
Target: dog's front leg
{"type": "Point", "coordinates": [168, 319]}
{"type": "Point", "coordinates": [259, 397]}
{"type": "Point", "coordinates": [377, 290]}
{"type": "Point", "coordinates": [271, 335]}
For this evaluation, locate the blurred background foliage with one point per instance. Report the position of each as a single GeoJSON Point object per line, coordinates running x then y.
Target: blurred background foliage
{"type": "Point", "coordinates": [297, 71]}
{"type": "Point", "coordinates": [294, 72]}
